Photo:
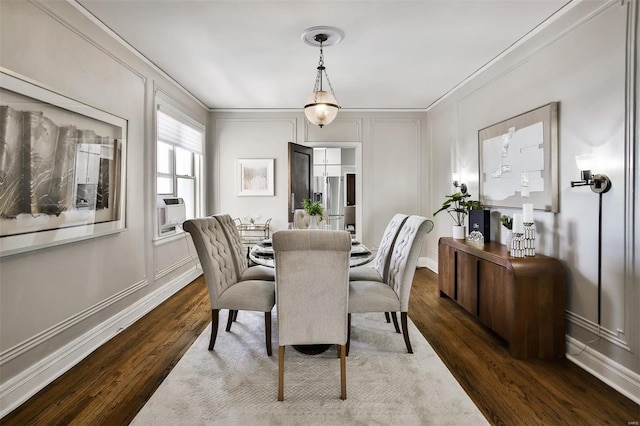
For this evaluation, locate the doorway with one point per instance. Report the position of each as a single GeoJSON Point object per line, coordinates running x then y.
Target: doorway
{"type": "Point", "coordinates": [337, 181]}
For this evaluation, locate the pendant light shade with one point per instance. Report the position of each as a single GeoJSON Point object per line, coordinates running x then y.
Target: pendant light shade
{"type": "Point", "coordinates": [322, 106]}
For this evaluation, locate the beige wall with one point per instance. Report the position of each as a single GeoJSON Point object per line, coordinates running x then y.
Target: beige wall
{"type": "Point", "coordinates": [58, 304]}
{"type": "Point", "coordinates": [391, 147]}
{"type": "Point", "coordinates": [580, 61]}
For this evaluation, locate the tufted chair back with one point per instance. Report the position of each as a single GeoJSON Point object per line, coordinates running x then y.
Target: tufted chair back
{"type": "Point", "coordinates": [404, 257]}
{"type": "Point", "coordinates": [230, 230]}
{"type": "Point", "coordinates": [381, 261]}
{"type": "Point", "coordinates": [214, 254]}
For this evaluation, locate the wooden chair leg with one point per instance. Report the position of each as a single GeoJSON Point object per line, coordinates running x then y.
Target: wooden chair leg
{"type": "Point", "coordinates": [280, 373]}
{"type": "Point", "coordinates": [387, 317]}
{"type": "Point", "coordinates": [230, 320]}
{"type": "Point", "coordinates": [395, 321]}
{"type": "Point", "coordinates": [267, 331]}
{"type": "Point", "coordinates": [214, 328]}
{"type": "Point", "coordinates": [405, 331]}
{"type": "Point", "coordinates": [343, 372]}
{"type": "Point", "coordinates": [348, 332]}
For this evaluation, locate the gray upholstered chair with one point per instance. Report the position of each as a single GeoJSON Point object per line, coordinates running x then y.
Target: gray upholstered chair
{"type": "Point", "coordinates": [243, 270]}
{"type": "Point", "coordinates": [392, 295]}
{"type": "Point", "coordinates": [301, 218]}
{"type": "Point", "coordinates": [378, 268]}
{"type": "Point", "coordinates": [312, 290]}
{"type": "Point", "coordinates": [224, 288]}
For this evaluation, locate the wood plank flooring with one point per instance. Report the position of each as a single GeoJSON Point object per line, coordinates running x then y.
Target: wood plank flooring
{"type": "Point", "coordinates": [113, 383]}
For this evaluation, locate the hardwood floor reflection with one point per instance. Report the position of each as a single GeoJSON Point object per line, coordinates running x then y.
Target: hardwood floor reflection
{"type": "Point", "coordinates": [114, 382]}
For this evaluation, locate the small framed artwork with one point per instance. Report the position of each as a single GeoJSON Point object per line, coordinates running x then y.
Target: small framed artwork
{"type": "Point", "coordinates": [62, 168]}
{"type": "Point", "coordinates": [255, 177]}
{"type": "Point", "coordinates": [519, 160]}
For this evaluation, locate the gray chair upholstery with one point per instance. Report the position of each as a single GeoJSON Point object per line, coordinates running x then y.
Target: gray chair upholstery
{"type": "Point", "coordinates": [225, 291]}
{"type": "Point", "coordinates": [301, 218]}
{"type": "Point", "coordinates": [312, 290]}
{"type": "Point", "coordinates": [377, 269]}
{"type": "Point", "coordinates": [392, 295]}
{"type": "Point", "coordinates": [243, 270]}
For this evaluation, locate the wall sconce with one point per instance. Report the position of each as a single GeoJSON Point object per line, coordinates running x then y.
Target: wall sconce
{"type": "Point", "coordinates": [455, 178]}
{"type": "Point", "coordinates": [599, 183]}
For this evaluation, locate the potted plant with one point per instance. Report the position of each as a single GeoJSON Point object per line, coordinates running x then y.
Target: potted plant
{"type": "Point", "coordinates": [507, 222]}
{"type": "Point", "coordinates": [313, 209]}
{"type": "Point", "coordinates": [458, 206]}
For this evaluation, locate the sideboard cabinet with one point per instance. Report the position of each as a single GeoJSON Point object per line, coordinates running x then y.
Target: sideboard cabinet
{"type": "Point", "coordinates": [520, 299]}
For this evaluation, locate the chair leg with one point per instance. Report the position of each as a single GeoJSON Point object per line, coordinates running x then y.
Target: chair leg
{"type": "Point", "coordinates": [214, 328]}
{"type": "Point", "coordinates": [230, 320]}
{"type": "Point", "coordinates": [348, 332]}
{"type": "Point", "coordinates": [343, 372]}
{"type": "Point", "coordinates": [405, 331]}
{"type": "Point", "coordinates": [280, 373]}
{"type": "Point", "coordinates": [235, 315]}
{"type": "Point", "coordinates": [395, 321]}
{"type": "Point", "coordinates": [387, 317]}
{"type": "Point", "coordinates": [267, 331]}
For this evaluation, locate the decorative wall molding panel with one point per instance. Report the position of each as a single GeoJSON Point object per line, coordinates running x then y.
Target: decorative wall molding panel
{"type": "Point", "coordinates": [18, 389]}
{"type": "Point", "coordinates": [615, 375]}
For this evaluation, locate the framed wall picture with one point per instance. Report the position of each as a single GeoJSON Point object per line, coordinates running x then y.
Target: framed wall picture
{"type": "Point", "coordinates": [62, 168]}
{"type": "Point", "coordinates": [255, 177]}
{"type": "Point", "coordinates": [519, 160]}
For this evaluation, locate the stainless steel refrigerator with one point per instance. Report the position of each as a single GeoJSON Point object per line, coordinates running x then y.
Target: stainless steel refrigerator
{"type": "Point", "coordinates": [330, 191]}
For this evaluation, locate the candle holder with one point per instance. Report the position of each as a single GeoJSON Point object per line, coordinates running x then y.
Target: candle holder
{"type": "Point", "coordinates": [529, 239]}
{"type": "Point", "coordinates": [517, 245]}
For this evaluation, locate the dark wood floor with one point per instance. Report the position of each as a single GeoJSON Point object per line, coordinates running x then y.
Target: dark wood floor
{"type": "Point", "coordinates": [113, 383]}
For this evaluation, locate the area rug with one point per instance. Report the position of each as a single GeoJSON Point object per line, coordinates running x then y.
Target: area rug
{"type": "Point", "coordinates": [236, 384]}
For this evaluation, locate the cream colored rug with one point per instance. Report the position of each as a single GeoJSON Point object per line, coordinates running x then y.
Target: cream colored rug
{"type": "Point", "coordinates": [236, 384]}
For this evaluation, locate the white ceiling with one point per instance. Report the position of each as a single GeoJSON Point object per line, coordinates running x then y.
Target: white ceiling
{"type": "Point", "coordinates": [249, 54]}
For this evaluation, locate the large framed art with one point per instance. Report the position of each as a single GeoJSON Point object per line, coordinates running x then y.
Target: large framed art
{"type": "Point", "coordinates": [62, 168]}
{"type": "Point", "coordinates": [519, 160]}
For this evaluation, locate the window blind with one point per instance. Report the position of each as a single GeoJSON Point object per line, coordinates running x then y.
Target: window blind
{"type": "Point", "coordinates": [173, 131]}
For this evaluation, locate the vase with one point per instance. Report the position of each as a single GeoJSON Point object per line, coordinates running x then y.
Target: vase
{"type": "Point", "coordinates": [313, 222]}
{"type": "Point", "coordinates": [508, 238]}
{"type": "Point", "coordinates": [459, 232]}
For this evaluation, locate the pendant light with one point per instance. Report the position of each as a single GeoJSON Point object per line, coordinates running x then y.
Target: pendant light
{"type": "Point", "coordinates": [322, 106]}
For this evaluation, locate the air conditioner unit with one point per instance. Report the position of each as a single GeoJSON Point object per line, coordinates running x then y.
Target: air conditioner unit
{"type": "Point", "coordinates": [171, 212]}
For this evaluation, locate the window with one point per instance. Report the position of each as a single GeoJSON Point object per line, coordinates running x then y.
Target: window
{"type": "Point", "coordinates": [179, 170]}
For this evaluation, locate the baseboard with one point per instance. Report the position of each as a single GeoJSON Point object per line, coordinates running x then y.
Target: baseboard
{"type": "Point", "coordinates": [26, 384]}
{"type": "Point", "coordinates": [427, 262]}
{"type": "Point", "coordinates": [610, 372]}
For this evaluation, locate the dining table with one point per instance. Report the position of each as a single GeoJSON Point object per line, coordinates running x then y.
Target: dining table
{"type": "Point", "coordinates": [262, 254]}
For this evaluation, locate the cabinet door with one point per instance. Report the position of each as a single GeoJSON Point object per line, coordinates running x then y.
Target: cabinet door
{"type": "Point", "coordinates": [447, 270]}
{"type": "Point", "coordinates": [319, 156]}
{"type": "Point", "coordinates": [333, 156]}
{"type": "Point", "coordinates": [467, 279]}
{"type": "Point", "coordinates": [495, 298]}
